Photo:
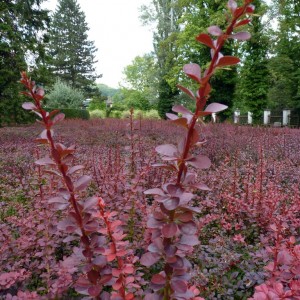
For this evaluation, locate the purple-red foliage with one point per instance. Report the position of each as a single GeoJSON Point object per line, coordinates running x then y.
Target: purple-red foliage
{"type": "Point", "coordinates": [214, 222]}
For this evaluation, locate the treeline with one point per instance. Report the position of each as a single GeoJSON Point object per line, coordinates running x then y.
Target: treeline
{"type": "Point", "coordinates": [56, 52]}
{"type": "Point", "coordinates": [53, 48]}
{"type": "Point", "coordinates": [267, 77]}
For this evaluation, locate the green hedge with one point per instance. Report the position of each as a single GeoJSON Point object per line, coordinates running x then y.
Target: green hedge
{"type": "Point", "coordinates": [73, 113]}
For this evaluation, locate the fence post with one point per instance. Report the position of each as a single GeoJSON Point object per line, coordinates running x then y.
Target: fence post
{"type": "Point", "coordinates": [250, 117]}
{"type": "Point", "coordinates": [236, 116]}
{"type": "Point", "coordinates": [286, 114]}
{"type": "Point", "coordinates": [267, 115]}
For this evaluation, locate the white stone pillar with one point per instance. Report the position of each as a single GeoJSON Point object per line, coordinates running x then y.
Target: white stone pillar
{"type": "Point", "coordinates": [236, 116]}
{"type": "Point", "coordinates": [286, 114]}
{"type": "Point", "coordinates": [214, 117]}
{"type": "Point", "coordinates": [267, 115]}
{"type": "Point", "coordinates": [250, 117]}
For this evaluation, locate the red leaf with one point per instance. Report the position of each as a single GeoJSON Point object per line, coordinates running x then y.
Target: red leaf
{"type": "Point", "coordinates": [250, 9]}
{"type": "Point", "coordinates": [100, 261]}
{"type": "Point", "coordinates": [166, 150]}
{"type": "Point", "coordinates": [241, 36]}
{"type": "Point", "coordinates": [206, 40]}
{"type": "Point", "coordinates": [215, 107]}
{"type": "Point", "coordinates": [227, 61]}
{"type": "Point", "coordinates": [232, 5]}
{"type": "Point", "coordinates": [75, 169]}
{"type": "Point", "coordinates": [158, 279]}
{"type": "Point", "coordinates": [67, 225]}
{"type": "Point", "coordinates": [215, 30]}
{"type": "Point", "coordinates": [129, 269]}
{"type": "Point", "coordinates": [200, 161]}
{"type": "Point", "coordinates": [181, 109]}
{"type": "Point", "coordinates": [28, 106]}
{"type": "Point", "coordinates": [90, 203]}
{"type": "Point", "coordinates": [179, 286]}
{"type": "Point", "coordinates": [193, 71]}
{"type": "Point", "coordinates": [171, 203]}
{"type": "Point", "coordinates": [45, 161]}
{"type": "Point", "coordinates": [190, 240]}
{"type": "Point", "coordinates": [59, 203]}
{"type": "Point", "coordinates": [148, 259]}
{"type": "Point", "coordinates": [188, 228]}
{"type": "Point", "coordinates": [40, 92]}
{"type": "Point", "coordinates": [202, 186]}
{"type": "Point", "coordinates": [181, 122]}
{"type": "Point", "coordinates": [155, 191]}
{"type": "Point", "coordinates": [82, 182]}
{"type": "Point", "coordinates": [187, 91]}
{"type": "Point", "coordinates": [58, 118]}
{"type": "Point", "coordinates": [94, 291]}
{"type": "Point", "coordinates": [243, 22]}
{"type": "Point", "coordinates": [169, 230]}
{"type": "Point", "coordinates": [172, 116]}
{"type": "Point", "coordinates": [194, 137]}
{"type": "Point", "coordinates": [185, 216]}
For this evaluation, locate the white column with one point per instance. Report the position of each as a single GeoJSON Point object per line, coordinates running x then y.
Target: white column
{"type": "Point", "coordinates": [267, 114]}
{"type": "Point", "coordinates": [250, 117]}
{"type": "Point", "coordinates": [214, 117]}
{"type": "Point", "coordinates": [236, 116]}
{"type": "Point", "coordinates": [286, 113]}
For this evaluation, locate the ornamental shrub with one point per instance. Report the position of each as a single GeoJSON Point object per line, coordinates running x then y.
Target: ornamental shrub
{"type": "Point", "coordinates": [64, 96]}
{"type": "Point", "coordinates": [152, 114]}
{"type": "Point", "coordinates": [97, 114]}
{"type": "Point", "coordinates": [74, 113]}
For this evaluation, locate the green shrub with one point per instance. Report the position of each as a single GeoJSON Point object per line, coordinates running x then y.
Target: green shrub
{"type": "Point", "coordinates": [64, 96]}
{"type": "Point", "coordinates": [73, 113]}
{"type": "Point", "coordinates": [138, 114]}
{"type": "Point", "coordinates": [116, 114]}
{"type": "Point", "coordinates": [152, 114]}
{"type": "Point", "coordinates": [97, 114]}
{"type": "Point", "coordinates": [125, 114]}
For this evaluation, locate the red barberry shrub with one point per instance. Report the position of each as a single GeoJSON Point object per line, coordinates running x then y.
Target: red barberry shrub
{"type": "Point", "coordinates": [150, 209]}
{"type": "Point", "coordinates": [173, 229]}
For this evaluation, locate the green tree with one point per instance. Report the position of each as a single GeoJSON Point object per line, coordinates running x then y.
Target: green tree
{"type": "Point", "coordinates": [285, 63]}
{"type": "Point", "coordinates": [135, 99]}
{"type": "Point", "coordinates": [164, 14]}
{"type": "Point", "coordinates": [22, 36]}
{"type": "Point", "coordinates": [197, 16]}
{"type": "Point", "coordinates": [253, 84]}
{"type": "Point", "coordinates": [73, 55]}
{"type": "Point", "coordinates": [142, 75]}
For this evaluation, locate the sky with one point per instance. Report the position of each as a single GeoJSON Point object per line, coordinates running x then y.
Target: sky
{"type": "Point", "coordinates": [117, 32]}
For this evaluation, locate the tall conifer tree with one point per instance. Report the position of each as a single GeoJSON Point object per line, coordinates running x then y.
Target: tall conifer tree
{"type": "Point", "coordinates": [22, 36]}
{"type": "Point", "coordinates": [73, 54]}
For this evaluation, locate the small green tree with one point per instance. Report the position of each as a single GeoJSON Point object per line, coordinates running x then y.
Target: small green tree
{"type": "Point", "coordinates": [142, 75]}
{"type": "Point", "coordinates": [135, 99]}
{"type": "Point", "coordinates": [64, 96]}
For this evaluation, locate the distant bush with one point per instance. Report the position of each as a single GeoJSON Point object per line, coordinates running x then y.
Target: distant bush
{"type": "Point", "coordinates": [125, 114]}
{"type": "Point", "coordinates": [152, 114]}
{"type": "Point", "coordinates": [97, 114]}
{"type": "Point", "coordinates": [64, 96]}
{"type": "Point", "coordinates": [116, 114]}
{"type": "Point", "coordinates": [73, 113]}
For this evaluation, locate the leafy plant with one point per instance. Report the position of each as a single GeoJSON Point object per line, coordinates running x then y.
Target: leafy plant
{"type": "Point", "coordinates": [174, 232]}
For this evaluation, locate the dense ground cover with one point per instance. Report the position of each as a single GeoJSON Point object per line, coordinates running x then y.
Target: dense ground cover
{"type": "Point", "coordinates": [247, 224]}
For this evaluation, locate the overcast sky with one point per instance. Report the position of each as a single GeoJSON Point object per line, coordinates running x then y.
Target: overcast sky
{"type": "Point", "coordinates": [117, 33]}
